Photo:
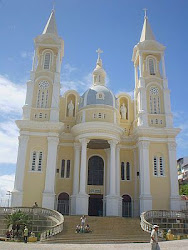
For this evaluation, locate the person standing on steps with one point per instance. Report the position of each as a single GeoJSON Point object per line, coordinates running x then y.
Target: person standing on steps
{"type": "Point", "coordinates": [26, 233]}
{"type": "Point", "coordinates": [154, 238]}
{"type": "Point", "coordinates": [83, 220]}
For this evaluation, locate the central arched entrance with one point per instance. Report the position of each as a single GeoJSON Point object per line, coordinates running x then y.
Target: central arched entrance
{"type": "Point", "coordinates": [63, 203]}
{"type": "Point", "coordinates": [95, 178]}
{"type": "Point", "coordinates": [126, 206]}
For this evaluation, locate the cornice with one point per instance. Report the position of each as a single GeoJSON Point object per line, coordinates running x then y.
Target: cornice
{"type": "Point", "coordinates": [35, 125]}
{"type": "Point", "coordinates": [148, 131]}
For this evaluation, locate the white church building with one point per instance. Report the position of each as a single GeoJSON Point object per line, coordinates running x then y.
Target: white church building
{"type": "Point", "coordinates": [97, 153]}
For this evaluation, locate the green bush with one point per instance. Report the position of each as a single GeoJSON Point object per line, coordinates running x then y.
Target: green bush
{"type": "Point", "coordinates": [184, 189]}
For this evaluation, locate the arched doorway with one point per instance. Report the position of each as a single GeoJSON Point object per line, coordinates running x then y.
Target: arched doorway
{"type": "Point", "coordinates": [95, 171]}
{"type": "Point", "coordinates": [63, 203]}
{"type": "Point", "coordinates": [126, 206]}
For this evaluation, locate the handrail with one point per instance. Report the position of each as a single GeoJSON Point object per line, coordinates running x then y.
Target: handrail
{"type": "Point", "coordinates": [146, 226]}
{"type": "Point", "coordinates": [53, 230]}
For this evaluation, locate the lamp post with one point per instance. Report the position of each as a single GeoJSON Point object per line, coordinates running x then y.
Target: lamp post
{"type": "Point", "coordinates": [9, 194]}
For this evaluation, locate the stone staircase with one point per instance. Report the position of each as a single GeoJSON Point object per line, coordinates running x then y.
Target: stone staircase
{"type": "Point", "coordinates": [104, 230]}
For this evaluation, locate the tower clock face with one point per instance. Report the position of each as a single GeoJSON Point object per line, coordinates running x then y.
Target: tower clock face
{"type": "Point", "coordinates": [154, 91]}
{"type": "Point", "coordinates": [44, 84]}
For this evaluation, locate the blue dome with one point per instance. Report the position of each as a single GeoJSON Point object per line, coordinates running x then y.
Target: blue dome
{"type": "Point", "coordinates": [98, 95]}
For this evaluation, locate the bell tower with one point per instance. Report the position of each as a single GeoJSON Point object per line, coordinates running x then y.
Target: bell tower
{"type": "Point", "coordinates": [43, 89]}
{"type": "Point", "coordinates": [151, 92]}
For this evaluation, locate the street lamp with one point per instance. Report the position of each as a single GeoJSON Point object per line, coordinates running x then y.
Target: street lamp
{"type": "Point", "coordinates": [9, 194]}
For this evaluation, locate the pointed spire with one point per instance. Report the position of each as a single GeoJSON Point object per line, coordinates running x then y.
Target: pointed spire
{"type": "Point", "coordinates": [51, 27]}
{"type": "Point", "coordinates": [147, 33]}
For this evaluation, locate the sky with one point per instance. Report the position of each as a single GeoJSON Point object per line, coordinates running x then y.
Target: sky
{"type": "Point", "coordinates": [86, 25]}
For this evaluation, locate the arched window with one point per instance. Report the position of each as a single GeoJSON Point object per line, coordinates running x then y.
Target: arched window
{"type": "Point", "coordinates": [151, 66]}
{"type": "Point", "coordinates": [36, 164]}
{"type": "Point", "coordinates": [95, 171]}
{"type": "Point", "coordinates": [154, 101]}
{"type": "Point", "coordinates": [158, 166]}
{"type": "Point", "coordinates": [47, 57]}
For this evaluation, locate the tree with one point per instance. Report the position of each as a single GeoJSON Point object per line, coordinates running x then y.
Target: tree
{"type": "Point", "coordinates": [18, 220]}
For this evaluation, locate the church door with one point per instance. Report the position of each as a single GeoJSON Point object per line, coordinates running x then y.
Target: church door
{"type": "Point", "coordinates": [63, 204]}
{"type": "Point", "coordinates": [95, 205]}
{"type": "Point", "coordinates": [126, 206]}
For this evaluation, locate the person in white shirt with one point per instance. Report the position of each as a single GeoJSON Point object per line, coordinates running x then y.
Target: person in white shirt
{"type": "Point", "coordinates": [154, 238]}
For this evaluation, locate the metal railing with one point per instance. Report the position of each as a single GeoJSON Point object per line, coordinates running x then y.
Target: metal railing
{"type": "Point", "coordinates": [170, 214]}
{"type": "Point", "coordinates": [53, 230]}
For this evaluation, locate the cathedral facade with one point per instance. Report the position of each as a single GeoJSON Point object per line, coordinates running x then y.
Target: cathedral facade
{"type": "Point", "coordinates": [97, 153]}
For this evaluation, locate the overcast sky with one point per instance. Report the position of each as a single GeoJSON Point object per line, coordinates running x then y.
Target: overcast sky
{"type": "Point", "coordinates": [85, 25]}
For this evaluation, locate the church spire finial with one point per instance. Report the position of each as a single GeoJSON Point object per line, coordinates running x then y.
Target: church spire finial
{"type": "Point", "coordinates": [53, 6]}
{"type": "Point", "coordinates": [99, 61]}
{"type": "Point", "coordinates": [145, 12]}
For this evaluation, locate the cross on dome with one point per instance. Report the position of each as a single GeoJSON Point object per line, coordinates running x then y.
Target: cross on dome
{"type": "Point", "coordinates": [99, 51]}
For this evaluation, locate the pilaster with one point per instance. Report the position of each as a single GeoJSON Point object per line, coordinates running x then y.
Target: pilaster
{"type": "Point", "coordinates": [112, 200]}
{"type": "Point", "coordinates": [17, 193]}
{"type": "Point", "coordinates": [174, 193]}
{"type": "Point", "coordinates": [82, 197]}
{"type": "Point", "coordinates": [77, 148]}
{"type": "Point", "coordinates": [48, 200]}
{"type": "Point", "coordinates": [145, 194]}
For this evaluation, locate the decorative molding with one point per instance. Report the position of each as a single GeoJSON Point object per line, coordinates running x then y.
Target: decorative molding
{"type": "Point", "coordinates": [172, 146]}
{"type": "Point", "coordinates": [52, 139]}
{"type": "Point", "coordinates": [143, 144]}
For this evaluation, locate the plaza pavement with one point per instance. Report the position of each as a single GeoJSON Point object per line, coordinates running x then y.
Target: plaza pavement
{"type": "Point", "coordinates": [167, 245]}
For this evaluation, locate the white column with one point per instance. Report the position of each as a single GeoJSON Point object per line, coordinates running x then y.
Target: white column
{"type": "Point", "coordinates": [163, 66]}
{"type": "Point", "coordinates": [83, 173]}
{"type": "Point", "coordinates": [112, 190]}
{"type": "Point", "coordinates": [76, 177]}
{"type": "Point", "coordinates": [82, 197]}
{"type": "Point", "coordinates": [34, 61]}
{"type": "Point", "coordinates": [174, 193]}
{"type": "Point", "coordinates": [140, 64]}
{"type": "Point", "coordinates": [136, 200]}
{"type": "Point", "coordinates": [17, 193]}
{"type": "Point", "coordinates": [54, 112]}
{"type": "Point", "coordinates": [118, 182]}
{"type": "Point", "coordinates": [48, 200]}
{"type": "Point", "coordinates": [28, 100]}
{"type": "Point", "coordinates": [167, 108]}
{"type": "Point", "coordinates": [136, 74]}
{"type": "Point", "coordinates": [118, 170]}
{"type": "Point", "coordinates": [112, 199]}
{"type": "Point", "coordinates": [76, 168]}
{"type": "Point", "coordinates": [58, 63]}
{"type": "Point", "coordinates": [107, 170]}
{"type": "Point", "coordinates": [145, 194]}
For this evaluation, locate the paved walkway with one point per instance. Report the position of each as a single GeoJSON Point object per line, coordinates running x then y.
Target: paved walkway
{"type": "Point", "coordinates": [171, 245]}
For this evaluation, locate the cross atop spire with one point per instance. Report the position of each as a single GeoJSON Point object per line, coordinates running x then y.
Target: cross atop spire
{"type": "Point", "coordinates": [99, 51]}
{"type": "Point", "coordinates": [145, 12]}
{"type": "Point", "coordinates": [53, 7]}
